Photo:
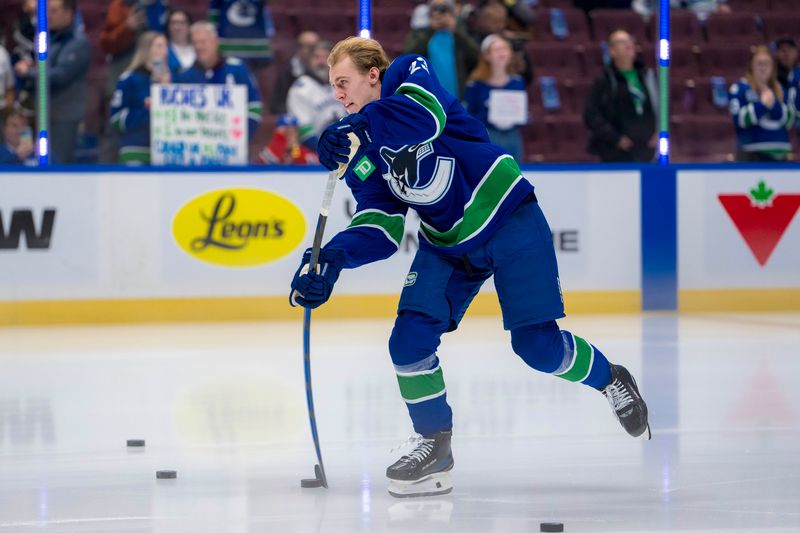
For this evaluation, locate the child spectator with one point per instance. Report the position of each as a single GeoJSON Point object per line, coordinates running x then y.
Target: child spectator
{"type": "Point", "coordinates": [17, 145]}
{"type": "Point", "coordinates": [284, 148]}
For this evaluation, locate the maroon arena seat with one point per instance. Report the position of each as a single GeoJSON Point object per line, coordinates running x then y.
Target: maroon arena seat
{"type": "Point", "coordinates": [733, 28]}
{"type": "Point", "coordinates": [781, 23]}
{"type": "Point", "coordinates": [724, 60]}
{"type": "Point", "coordinates": [577, 25]}
{"type": "Point", "coordinates": [749, 6]}
{"type": "Point", "coordinates": [702, 138]}
{"type": "Point", "coordinates": [390, 24]}
{"type": "Point", "coordinates": [684, 59]}
{"type": "Point", "coordinates": [554, 59]}
{"type": "Point", "coordinates": [604, 21]}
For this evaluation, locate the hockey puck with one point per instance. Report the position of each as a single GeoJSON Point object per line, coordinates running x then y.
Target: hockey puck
{"type": "Point", "coordinates": [551, 527]}
{"type": "Point", "coordinates": [135, 443]}
{"type": "Point", "coordinates": [166, 474]}
{"type": "Point", "coordinates": [310, 483]}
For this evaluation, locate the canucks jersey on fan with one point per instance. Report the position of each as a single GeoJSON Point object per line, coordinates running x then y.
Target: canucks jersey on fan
{"type": "Point", "coordinates": [430, 155]}
{"type": "Point", "coordinates": [230, 71]}
{"type": "Point", "coordinates": [130, 116]}
{"type": "Point", "coordinates": [245, 28]}
{"type": "Point", "coordinates": [758, 128]}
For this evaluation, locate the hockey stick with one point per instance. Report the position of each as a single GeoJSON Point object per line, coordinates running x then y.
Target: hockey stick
{"type": "Point", "coordinates": [319, 480]}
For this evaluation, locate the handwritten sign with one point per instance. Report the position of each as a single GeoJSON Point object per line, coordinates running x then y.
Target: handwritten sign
{"type": "Point", "coordinates": [198, 124]}
{"type": "Point", "coordinates": [507, 108]}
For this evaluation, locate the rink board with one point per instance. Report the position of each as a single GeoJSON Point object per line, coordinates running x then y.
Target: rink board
{"type": "Point", "coordinates": [736, 253]}
{"type": "Point", "coordinates": [131, 246]}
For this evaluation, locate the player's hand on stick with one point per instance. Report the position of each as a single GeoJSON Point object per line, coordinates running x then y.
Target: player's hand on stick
{"type": "Point", "coordinates": [312, 289]}
{"type": "Point", "coordinates": [334, 145]}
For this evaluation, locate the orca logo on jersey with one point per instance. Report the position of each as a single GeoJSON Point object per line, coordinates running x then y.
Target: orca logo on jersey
{"type": "Point", "coordinates": [242, 14]}
{"type": "Point", "coordinates": [408, 180]}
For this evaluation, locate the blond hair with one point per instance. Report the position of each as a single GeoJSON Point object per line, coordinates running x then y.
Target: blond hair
{"type": "Point", "coordinates": [364, 53]}
{"type": "Point", "coordinates": [142, 55]}
{"type": "Point", "coordinates": [772, 83]}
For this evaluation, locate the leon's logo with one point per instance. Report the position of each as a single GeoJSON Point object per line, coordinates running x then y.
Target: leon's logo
{"type": "Point", "coordinates": [761, 217]}
{"type": "Point", "coordinates": [239, 227]}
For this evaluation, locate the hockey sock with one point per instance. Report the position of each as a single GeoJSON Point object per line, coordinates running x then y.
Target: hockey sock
{"type": "Point", "coordinates": [548, 349]}
{"type": "Point", "coordinates": [583, 362]}
{"type": "Point", "coordinates": [423, 389]}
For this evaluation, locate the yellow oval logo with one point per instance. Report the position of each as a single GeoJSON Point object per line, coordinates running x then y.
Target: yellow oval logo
{"type": "Point", "coordinates": [239, 227]}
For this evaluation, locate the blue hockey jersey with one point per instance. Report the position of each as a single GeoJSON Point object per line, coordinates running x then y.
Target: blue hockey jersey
{"type": "Point", "coordinates": [230, 71]}
{"type": "Point", "coordinates": [430, 155]}
{"type": "Point", "coordinates": [131, 118]}
{"type": "Point", "coordinates": [758, 128]}
{"type": "Point", "coordinates": [245, 28]}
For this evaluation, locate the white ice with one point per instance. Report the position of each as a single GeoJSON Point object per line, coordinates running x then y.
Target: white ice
{"type": "Point", "coordinates": [224, 405]}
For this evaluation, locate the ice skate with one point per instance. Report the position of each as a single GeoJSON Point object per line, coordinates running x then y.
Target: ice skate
{"type": "Point", "coordinates": [626, 402]}
{"type": "Point", "coordinates": [425, 471]}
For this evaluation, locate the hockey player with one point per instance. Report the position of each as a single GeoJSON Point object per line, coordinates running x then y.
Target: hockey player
{"type": "Point", "coordinates": [479, 218]}
{"type": "Point", "coordinates": [212, 68]}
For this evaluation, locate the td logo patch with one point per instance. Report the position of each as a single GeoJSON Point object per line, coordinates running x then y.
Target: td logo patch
{"type": "Point", "coordinates": [364, 168]}
{"type": "Point", "coordinates": [411, 279]}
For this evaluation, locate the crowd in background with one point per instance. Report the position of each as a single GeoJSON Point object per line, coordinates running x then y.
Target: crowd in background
{"type": "Point", "coordinates": [479, 50]}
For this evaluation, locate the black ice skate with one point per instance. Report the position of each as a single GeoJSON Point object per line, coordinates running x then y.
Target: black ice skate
{"type": "Point", "coordinates": [628, 405]}
{"type": "Point", "coordinates": [425, 471]}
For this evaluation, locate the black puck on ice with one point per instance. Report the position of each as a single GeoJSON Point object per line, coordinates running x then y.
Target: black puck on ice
{"type": "Point", "coordinates": [166, 474]}
{"type": "Point", "coordinates": [310, 483]}
{"type": "Point", "coordinates": [135, 443]}
{"type": "Point", "coordinates": [551, 527]}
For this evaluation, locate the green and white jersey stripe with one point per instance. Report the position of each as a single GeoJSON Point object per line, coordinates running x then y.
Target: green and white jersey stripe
{"type": "Point", "coordinates": [392, 226]}
{"type": "Point", "coordinates": [254, 111]}
{"type": "Point", "coordinates": [427, 100]}
{"type": "Point", "coordinates": [486, 200]}
{"type": "Point", "coordinates": [134, 155]}
{"type": "Point", "coordinates": [417, 387]}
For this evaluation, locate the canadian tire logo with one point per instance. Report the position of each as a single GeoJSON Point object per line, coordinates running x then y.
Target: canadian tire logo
{"type": "Point", "coordinates": [761, 217]}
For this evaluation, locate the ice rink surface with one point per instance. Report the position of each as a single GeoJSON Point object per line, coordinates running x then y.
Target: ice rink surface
{"type": "Point", "coordinates": [224, 405]}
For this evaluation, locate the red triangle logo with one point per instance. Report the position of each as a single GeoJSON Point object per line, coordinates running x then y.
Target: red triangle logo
{"type": "Point", "coordinates": [761, 226]}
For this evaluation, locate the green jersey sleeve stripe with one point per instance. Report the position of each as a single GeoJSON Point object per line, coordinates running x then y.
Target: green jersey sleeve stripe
{"type": "Point", "coordinates": [427, 100]}
{"type": "Point", "coordinates": [421, 387]}
{"type": "Point", "coordinates": [392, 225]}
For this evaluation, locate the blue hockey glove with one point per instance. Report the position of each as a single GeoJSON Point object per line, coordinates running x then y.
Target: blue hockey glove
{"type": "Point", "coordinates": [312, 289]}
{"type": "Point", "coordinates": [334, 145]}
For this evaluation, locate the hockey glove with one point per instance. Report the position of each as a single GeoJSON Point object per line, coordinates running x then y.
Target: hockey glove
{"type": "Point", "coordinates": [312, 289]}
{"type": "Point", "coordinates": [334, 145]}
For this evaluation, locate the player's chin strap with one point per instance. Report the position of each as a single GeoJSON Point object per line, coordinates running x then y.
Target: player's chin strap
{"type": "Point", "coordinates": [333, 177]}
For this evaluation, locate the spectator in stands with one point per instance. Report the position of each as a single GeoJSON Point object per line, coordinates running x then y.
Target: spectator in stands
{"type": "Point", "coordinates": [788, 67]}
{"type": "Point", "coordinates": [7, 81]}
{"type": "Point", "coordinates": [701, 8]}
{"type": "Point", "coordinates": [493, 18]}
{"type": "Point", "coordinates": [284, 148]}
{"type": "Point", "coordinates": [762, 112]}
{"type": "Point", "coordinates": [245, 29]}
{"type": "Point", "coordinates": [181, 51]}
{"type": "Point", "coordinates": [451, 51]}
{"type": "Point", "coordinates": [211, 67]}
{"type": "Point", "coordinates": [620, 109]}
{"type": "Point", "coordinates": [311, 98]}
{"type": "Point", "coordinates": [125, 21]}
{"type": "Point", "coordinates": [68, 64]}
{"type": "Point", "coordinates": [297, 66]}
{"type": "Point", "coordinates": [17, 145]}
{"type": "Point", "coordinates": [23, 54]}
{"type": "Point", "coordinates": [495, 73]}
{"type": "Point", "coordinates": [130, 106]}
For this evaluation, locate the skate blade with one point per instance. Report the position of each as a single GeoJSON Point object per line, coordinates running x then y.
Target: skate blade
{"type": "Point", "coordinates": [432, 485]}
